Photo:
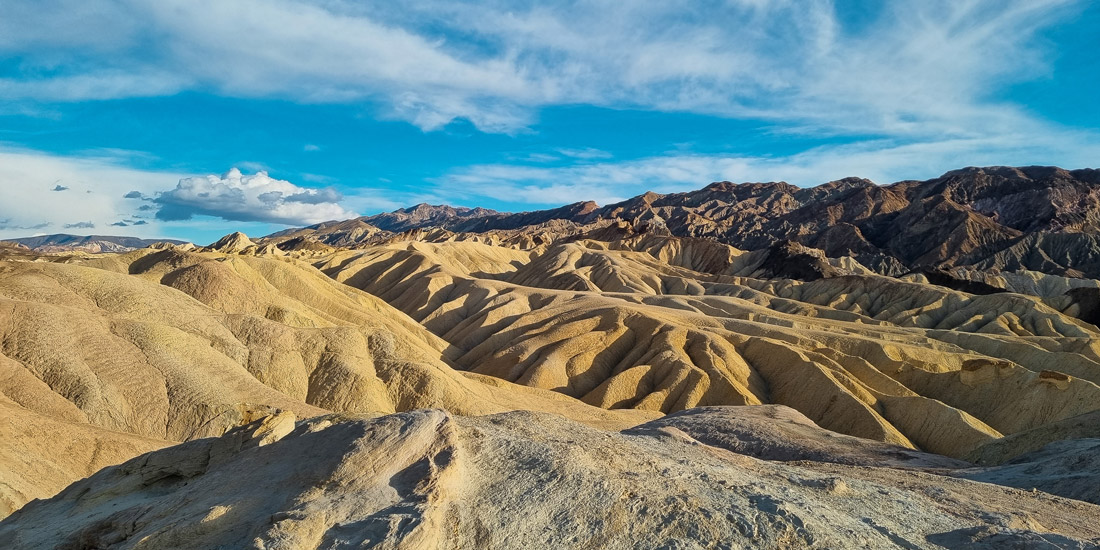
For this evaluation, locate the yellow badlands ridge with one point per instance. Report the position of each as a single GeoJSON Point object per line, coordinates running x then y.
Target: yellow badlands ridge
{"type": "Point", "coordinates": [103, 358]}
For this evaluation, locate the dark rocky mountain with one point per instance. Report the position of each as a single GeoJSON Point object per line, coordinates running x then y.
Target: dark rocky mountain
{"type": "Point", "coordinates": [425, 215]}
{"type": "Point", "coordinates": [1037, 218]}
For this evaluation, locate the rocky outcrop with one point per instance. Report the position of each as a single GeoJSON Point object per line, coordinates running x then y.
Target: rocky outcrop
{"type": "Point", "coordinates": [425, 479]}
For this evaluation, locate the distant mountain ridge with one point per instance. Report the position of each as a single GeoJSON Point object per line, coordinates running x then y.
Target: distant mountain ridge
{"type": "Point", "coordinates": [1039, 218]}
{"type": "Point", "coordinates": [425, 215]}
{"type": "Point", "coordinates": [62, 242]}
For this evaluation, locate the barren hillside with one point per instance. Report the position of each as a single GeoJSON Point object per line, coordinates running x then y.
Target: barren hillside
{"type": "Point", "coordinates": [675, 387]}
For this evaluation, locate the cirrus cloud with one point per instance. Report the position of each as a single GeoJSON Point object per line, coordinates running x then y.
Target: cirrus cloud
{"type": "Point", "coordinates": [607, 181]}
{"type": "Point", "coordinates": [917, 68]}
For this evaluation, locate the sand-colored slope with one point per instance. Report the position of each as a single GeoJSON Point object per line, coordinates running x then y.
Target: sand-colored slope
{"type": "Point", "coordinates": [426, 479]}
{"type": "Point", "coordinates": [308, 332]}
{"type": "Point", "coordinates": [1086, 426]}
{"type": "Point", "coordinates": [1067, 468]}
{"type": "Point", "coordinates": [172, 345]}
{"type": "Point", "coordinates": [41, 454]}
{"type": "Point", "coordinates": [870, 356]}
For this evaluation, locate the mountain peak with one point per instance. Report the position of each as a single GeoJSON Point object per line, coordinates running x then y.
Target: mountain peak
{"type": "Point", "coordinates": [232, 243]}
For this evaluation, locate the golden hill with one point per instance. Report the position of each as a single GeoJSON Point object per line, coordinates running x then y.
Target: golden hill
{"type": "Point", "coordinates": [614, 325]}
{"type": "Point", "coordinates": [162, 346]}
{"type": "Point", "coordinates": [103, 358]}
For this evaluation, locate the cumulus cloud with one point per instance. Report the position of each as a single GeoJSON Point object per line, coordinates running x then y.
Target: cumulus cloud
{"type": "Point", "coordinates": [253, 198]}
{"type": "Point", "coordinates": [156, 204]}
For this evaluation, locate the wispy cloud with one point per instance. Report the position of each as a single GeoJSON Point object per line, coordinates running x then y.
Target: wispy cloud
{"type": "Point", "coordinates": [922, 79]}
{"type": "Point", "coordinates": [919, 69]}
{"type": "Point", "coordinates": [881, 161]}
{"type": "Point", "coordinates": [7, 225]}
{"type": "Point", "coordinates": [29, 203]}
{"type": "Point", "coordinates": [585, 153]}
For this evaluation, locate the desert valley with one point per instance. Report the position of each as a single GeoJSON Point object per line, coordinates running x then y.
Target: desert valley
{"type": "Point", "coordinates": [748, 365]}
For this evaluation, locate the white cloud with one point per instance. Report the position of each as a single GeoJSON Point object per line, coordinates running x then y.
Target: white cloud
{"type": "Point", "coordinates": [881, 161]}
{"type": "Point", "coordinates": [91, 86]}
{"type": "Point", "coordinates": [585, 153]}
{"type": "Point", "coordinates": [250, 198]}
{"type": "Point", "coordinates": [104, 194]}
{"type": "Point", "coordinates": [95, 195]}
{"type": "Point", "coordinates": [918, 69]}
{"type": "Point", "coordinates": [924, 77]}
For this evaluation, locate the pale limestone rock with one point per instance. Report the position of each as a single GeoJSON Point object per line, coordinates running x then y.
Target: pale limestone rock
{"type": "Point", "coordinates": [426, 479]}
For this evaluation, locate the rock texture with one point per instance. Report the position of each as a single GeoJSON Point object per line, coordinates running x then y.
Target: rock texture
{"type": "Point", "coordinates": [41, 454]}
{"type": "Point", "coordinates": [1069, 468]}
{"type": "Point", "coordinates": [1083, 427]}
{"type": "Point", "coordinates": [1035, 218]}
{"type": "Point", "coordinates": [162, 346]}
{"type": "Point", "coordinates": [665, 324]}
{"type": "Point", "coordinates": [427, 479]}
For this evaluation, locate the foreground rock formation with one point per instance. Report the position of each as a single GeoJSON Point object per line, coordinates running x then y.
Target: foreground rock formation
{"type": "Point", "coordinates": [427, 479]}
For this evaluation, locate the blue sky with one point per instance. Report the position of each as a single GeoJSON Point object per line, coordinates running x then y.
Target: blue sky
{"type": "Point", "coordinates": [191, 119]}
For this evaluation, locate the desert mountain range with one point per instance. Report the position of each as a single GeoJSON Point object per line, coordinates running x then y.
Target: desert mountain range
{"type": "Point", "coordinates": [745, 366]}
{"type": "Point", "coordinates": [1035, 218]}
{"type": "Point", "coordinates": [63, 242]}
